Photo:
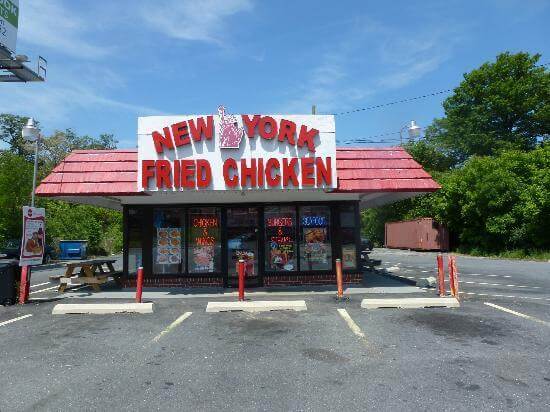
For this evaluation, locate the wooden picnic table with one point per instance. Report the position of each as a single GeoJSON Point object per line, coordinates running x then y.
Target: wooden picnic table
{"type": "Point", "coordinates": [92, 272]}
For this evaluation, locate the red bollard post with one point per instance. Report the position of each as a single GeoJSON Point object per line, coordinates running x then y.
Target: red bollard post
{"type": "Point", "coordinates": [139, 284]}
{"type": "Point", "coordinates": [24, 286]}
{"type": "Point", "coordinates": [452, 275]}
{"type": "Point", "coordinates": [440, 275]}
{"type": "Point", "coordinates": [241, 271]}
{"type": "Point", "coordinates": [455, 278]}
{"type": "Point", "coordinates": [339, 280]}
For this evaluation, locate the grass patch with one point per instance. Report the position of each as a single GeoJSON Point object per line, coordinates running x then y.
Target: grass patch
{"type": "Point", "coordinates": [519, 254]}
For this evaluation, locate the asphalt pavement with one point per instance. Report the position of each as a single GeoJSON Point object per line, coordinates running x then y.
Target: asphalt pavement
{"type": "Point", "coordinates": [43, 286]}
{"type": "Point", "coordinates": [521, 282]}
{"type": "Point", "coordinates": [333, 356]}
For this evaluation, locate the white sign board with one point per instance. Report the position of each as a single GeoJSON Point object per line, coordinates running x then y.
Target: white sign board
{"type": "Point", "coordinates": [236, 152]}
{"type": "Point", "coordinates": [34, 236]}
{"type": "Point", "coordinates": [9, 21]}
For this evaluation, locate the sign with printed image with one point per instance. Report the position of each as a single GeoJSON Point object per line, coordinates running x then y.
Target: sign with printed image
{"type": "Point", "coordinates": [168, 245]}
{"type": "Point", "coordinates": [34, 236]}
{"type": "Point", "coordinates": [9, 21]}
{"type": "Point", "coordinates": [316, 247]}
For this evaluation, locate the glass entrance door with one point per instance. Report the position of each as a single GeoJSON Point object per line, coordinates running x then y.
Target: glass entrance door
{"type": "Point", "coordinates": [242, 243]}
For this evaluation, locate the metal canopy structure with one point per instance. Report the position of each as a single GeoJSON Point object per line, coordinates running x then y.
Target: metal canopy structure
{"type": "Point", "coordinates": [13, 69]}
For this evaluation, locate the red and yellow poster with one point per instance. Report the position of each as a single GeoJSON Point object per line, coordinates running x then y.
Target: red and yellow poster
{"type": "Point", "coordinates": [34, 236]}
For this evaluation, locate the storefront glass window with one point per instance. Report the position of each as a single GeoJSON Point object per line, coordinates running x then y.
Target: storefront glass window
{"type": "Point", "coordinates": [135, 235]}
{"type": "Point", "coordinates": [242, 239]}
{"type": "Point", "coordinates": [168, 241]}
{"type": "Point", "coordinates": [347, 233]}
{"type": "Point", "coordinates": [280, 234]}
{"type": "Point", "coordinates": [204, 240]}
{"type": "Point", "coordinates": [315, 242]}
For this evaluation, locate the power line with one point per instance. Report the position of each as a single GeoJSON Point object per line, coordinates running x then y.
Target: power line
{"type": "Point", "coordinates": [410, 99]}
{"type": "Point", "coordinates": [377, 106]}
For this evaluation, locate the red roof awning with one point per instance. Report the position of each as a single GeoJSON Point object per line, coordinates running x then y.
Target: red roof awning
{"type": "Point", "coordinates": [114, 173]}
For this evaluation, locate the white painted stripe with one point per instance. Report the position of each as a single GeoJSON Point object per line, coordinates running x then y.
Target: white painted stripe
{"type": "Point", "coordinates": [40, 284]}
{"type": "Point", "coordinates": [351, 324]}
{"type": "Point", "coordinates": [43, 290]}
{"type": "Point", "coordinates": [14, 320]}
{"type": "Point", "coordinates": [469, 282]}
{"type": "Point", "coordinates": [172, 326]}
{"type": "Point", "coordinates": [501, 296]}
{"type": "Point", "coordinates": [482, 274]}
{"type": "Point", "coordinates": [521, 315]}
{"type": "Point", "coordinates": [55, 287]}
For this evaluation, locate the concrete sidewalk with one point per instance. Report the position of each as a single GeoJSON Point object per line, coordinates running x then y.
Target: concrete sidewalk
{"type": "Point", "coordinates": [374, 284]}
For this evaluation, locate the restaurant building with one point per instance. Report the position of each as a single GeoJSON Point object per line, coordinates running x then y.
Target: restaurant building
{"type": "Point", "coordinates": [203, 191]}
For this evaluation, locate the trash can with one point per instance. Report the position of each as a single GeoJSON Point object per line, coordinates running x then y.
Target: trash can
{"type": "Point", "coordinates": [10, 273]}
{"type": "Point", "coordinates": [73, 249]}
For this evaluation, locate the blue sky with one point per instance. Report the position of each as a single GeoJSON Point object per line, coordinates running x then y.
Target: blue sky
{"type": "Point", "coordinates": [112, 61]}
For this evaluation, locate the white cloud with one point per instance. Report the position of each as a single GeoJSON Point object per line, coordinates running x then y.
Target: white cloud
{"type": "Point", "coordinates": [51, 24]}
{"type": "Point", "coordinates": [342, 77]}
{"type": "Point", "coordinates": [54, 105]}
{"type": "Point", "coordinates": [192, 19]}
{"type": "Point", "coordinates": [409, 58]}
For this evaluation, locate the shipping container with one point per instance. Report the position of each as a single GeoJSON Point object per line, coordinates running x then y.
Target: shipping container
{"type": "Point", "coordinates": [419, 234]}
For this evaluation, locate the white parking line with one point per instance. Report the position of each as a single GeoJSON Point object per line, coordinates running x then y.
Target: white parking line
{"type": "Point", "coordinates": [513, 312]}
{"type": "Point", "coordinates": [351, 324]}
{"type": "Point", "coordinates": [501, 296]}
{"type": "Point", "coordinates": [482, 274]}
{"type": "Point", "coordinates": [43, 290]}
{"type": "Point", "coordinates": [172, 326]}
{"type": "Point", "coordinates": [470, 282]}
{"type": "Point", "coordinates": [40, 284]}
{"type": "Point", "coordinates": [14, 320]}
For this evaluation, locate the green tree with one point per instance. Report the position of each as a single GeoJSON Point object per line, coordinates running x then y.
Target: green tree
{"type": "Point", "coordinates": [430, 155]}
{"type": "Point", "coordinates": [57, 146]}
{"type": "Point", "coordinates": [102, 228]}
{"type": "Point", "coordinates": [499, 106]}
{"type": "Point", "coordinates": [10, 133]}
{"type": "Point", "coordinates": [15, 191]}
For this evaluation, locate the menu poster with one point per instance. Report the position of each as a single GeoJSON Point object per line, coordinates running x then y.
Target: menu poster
{"type": "Point", "coordinates": [168, 245]}
{"type": "Point", "coordinates": [34, 235]}
{"type": "Point", "coordinates": [280, 231]}
{"type": "Point", "coordinates": [204, 238]}
{"type": "Point", "coordinates": [282, 253]}
{"type": "Point", "coordinates": [349, 257]}
{"type": "Point", "coordinates": [203, 258]}
{"type": "Point", "coordinates": [316, 247]}
{"type": "Point", "coordinates": [248, 257]}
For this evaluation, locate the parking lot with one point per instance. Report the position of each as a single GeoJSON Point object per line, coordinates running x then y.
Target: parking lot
{"type": "Point", "coordinates": [180, 357]}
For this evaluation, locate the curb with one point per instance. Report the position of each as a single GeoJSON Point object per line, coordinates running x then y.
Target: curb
{"type": "Point", "coordinates": [257, 306]}
{"type": "Point", "coordinates": [410, 303]}
{"type": "Point", "coordinates": [101, 308]}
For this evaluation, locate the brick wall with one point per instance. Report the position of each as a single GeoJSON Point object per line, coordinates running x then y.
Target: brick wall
{"type": "Point", "coordinates": [330, 279]}
{"type": "Point", "coordinates": [275, 280]}
{"type": "Point", "coordinates": [179, 282]}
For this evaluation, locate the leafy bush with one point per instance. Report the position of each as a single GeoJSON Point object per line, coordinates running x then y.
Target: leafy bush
{"type": "Point", "coordinates": [15, 191]}
{"type": "Point", "coordinates": [102, 228]}
{"type": "Point", "coordinates": [491, 204]}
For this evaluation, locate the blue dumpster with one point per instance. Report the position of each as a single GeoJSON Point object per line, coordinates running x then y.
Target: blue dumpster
{"type": "Point", "coordinates": [73, 249]}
